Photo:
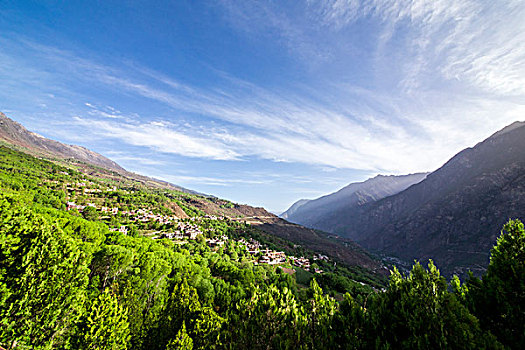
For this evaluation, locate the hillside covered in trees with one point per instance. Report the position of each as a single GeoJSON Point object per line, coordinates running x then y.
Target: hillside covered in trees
{"type": "Point", "coordinates": [88, 262]}
{"type": "Point", "coordinates": [99, 195]}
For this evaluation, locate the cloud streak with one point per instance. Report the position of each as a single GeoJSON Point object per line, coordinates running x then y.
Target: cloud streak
{"type": "Point", "coordinates": [162, 138]}
{"type": "Point", "coordinates": [444, 74]}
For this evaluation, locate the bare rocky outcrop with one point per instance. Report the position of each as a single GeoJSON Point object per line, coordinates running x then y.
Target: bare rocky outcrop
{"type": "Point", "coordinates": [16, 134]}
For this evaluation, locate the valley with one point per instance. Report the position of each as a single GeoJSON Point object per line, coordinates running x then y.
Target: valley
{"type": "Point", "coordinates": [262, 175]}
{"type": "Point", "coordinates": [125, 261]}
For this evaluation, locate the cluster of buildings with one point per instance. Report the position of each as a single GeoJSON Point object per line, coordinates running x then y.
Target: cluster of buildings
{"type": "Point", "coordinates": [144, 215]}
{"type": "Point", "coordinates": [92, 190]}
{"type": "Point", "coordinates": [189, 230]}
{"type": "Point", "coordinates": [121, 229]}
{"type": "Point", "coordinates": [304, 263]}
{"type": "Point", "coordinates": [73, 205]}
{"type": "Point", "coordinates": [79, 186]}
{"type": "Point", "coordinates": [267, 256]}
{"type": "Point", "coordinates": [87, 188]}
{"type": "Point", "coordinates": [252, 246]}
{"type": "Point", "coordinates": [301, 262]}
{"type": "Point", "coordinates": [272, 257]}
{"type": "Point", "coordinates": [321, 257]}
{"type": "Point", "coordinates": [213, 217]}
{"type": "Point", "coordinates": [183, 230]}
{"type": "Point", "coordinates": [217, 242]}
{"type": "Point", "coordinates": [113, 211]}
{"type": "Point", "coordinates": [80, 208]}
{"type": "Point", "coordinates": [140, 215]}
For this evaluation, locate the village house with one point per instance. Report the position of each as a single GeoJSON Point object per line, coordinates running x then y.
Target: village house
{"type": "Point", "coordinates": [121, 229]}
{"type": "Point", "coordinates": [144, 215]}
{"type": "Point", "coordinates": [264, 260]}
{"type": "Point", "coordinates": [169, 235]}
{"type": "Point", "coordinates": [215, 243]}
{"type": "Point", "coordinates": [192, 234]}
{"type": "Point", "coordinates": [72, 205]}
{"type": "Point", "coordinates": [272, 257]}
{"type": "Point", "coordinates": [253, 247]}
{"type": "Point", "coordinates": [321, 257]}
{"type": "Point", "coordinates": [301, 262]}
{"type": "Point", "coordinates": [173, 235]}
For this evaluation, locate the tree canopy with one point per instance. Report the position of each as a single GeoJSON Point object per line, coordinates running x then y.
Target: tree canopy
{"type": "Point", "coordinates": [75, 281]}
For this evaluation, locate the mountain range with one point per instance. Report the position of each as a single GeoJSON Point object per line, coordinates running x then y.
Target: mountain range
{"type": "Point", "coordinates": [452, 215]}
{"type": "Point", "coordinates": [15, 135]}
{"type": "Point", "coordinates": [310, 212]}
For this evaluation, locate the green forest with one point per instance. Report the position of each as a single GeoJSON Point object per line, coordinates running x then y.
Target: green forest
{"type": "Point", "coordinates": [75, 276]}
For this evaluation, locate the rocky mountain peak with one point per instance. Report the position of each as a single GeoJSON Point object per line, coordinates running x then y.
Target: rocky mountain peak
{"type": "Point", "coordinates": [16, 134]}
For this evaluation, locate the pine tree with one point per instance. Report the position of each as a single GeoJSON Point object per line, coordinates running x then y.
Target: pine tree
{"type": "Point", "coordinates": [270, 319]}
{"type": "Point", "coordinates": [320, 311]}
{"type": "Point", "coordinates": [418, 312]}
{"type": "Point", "coordinates": [182, 341]}
{"type": "Point", "coordinates": [43, 276]}
{"type": "Point", "coordinates": [184, 310]}
{"type": "Point", "coordinates": [498, 299]}
{"type": "Point", "coordinates": [104, 325]}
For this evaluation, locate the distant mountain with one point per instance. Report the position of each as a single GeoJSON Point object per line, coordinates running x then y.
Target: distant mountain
{"type": "Point", "coordinates": [293, 209]}
{"type": "Point", "coordinates": [453, 216]}
{"type": "Point", "coordinates": [313, 213]}
{"type": "Point", "coordinates": [16, 134]}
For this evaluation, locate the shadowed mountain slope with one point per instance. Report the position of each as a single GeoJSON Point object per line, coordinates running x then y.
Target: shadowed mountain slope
{"type": "Point", "coordinates": [314, 212]}
{"type": "Point", "coordinates": [454, 215]}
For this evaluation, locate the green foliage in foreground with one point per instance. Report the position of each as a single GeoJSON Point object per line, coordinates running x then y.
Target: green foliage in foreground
{"type": "Point", "coordinates": [498, 298]}
{"type": "Point", "coordinates": [58, 291]}
{"type": "Point", "coordinates": [70, 283]}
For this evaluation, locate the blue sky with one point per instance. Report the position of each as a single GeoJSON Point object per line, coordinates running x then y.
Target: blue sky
{"type": "Point", "coordinates": [265, 102]}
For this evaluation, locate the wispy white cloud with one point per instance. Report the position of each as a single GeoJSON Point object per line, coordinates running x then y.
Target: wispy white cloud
{"type": "Point", "coordinates": [478, 42]}
{"type": "Point", "coordinates": [444, 75]}
{"type": "Point", "coordinates": [105, 112]}
{"type": "Point", "coordinates": [141, 160]}
{"type": "Point", "coordinates": [161, 138]}
{"type": "Point", "coordinates": [211, 181]}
